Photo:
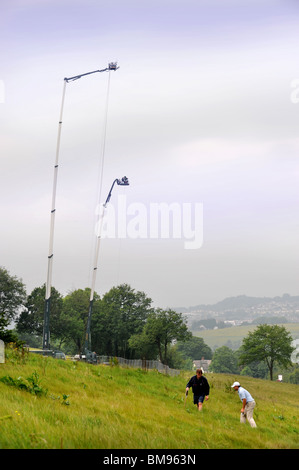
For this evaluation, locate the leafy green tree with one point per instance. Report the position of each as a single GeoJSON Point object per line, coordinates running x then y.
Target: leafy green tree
{"type": "Point", "coordinates": [143, 347]}
{"type": "Point", "coordinates": [268, 344]}
{"type": "Point", "coordinates": [122, 314]}
{"type": "Point", "coordinates": [74, 316]}
{"type": "Point", "coordinates": [31, 320]}
{"type": "Point", "coordinates": [257, 370]}
{"type": "Point", "coordinates": [194, 348]}
{"type": "Point", "coordinates": [224, 361]}
{"type": "Point", "coordinates": [163, 327]}
{"type": "Point", "coordinates": [12, 299]}
{"type": "Point", "coordinates": [176, 360]}
{"type": "Point", "coordinates": [294, 376]}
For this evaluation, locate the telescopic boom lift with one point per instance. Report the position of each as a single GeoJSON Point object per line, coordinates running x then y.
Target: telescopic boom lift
{"type": "Point", "coordinates": [46, 329]}
{"type": "Point", "coordinates": [89, 355]}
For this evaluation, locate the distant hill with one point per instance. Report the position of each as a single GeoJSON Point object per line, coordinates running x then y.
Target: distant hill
{"type": "Point", "coordinates": [244, 307]}
{"type": "Point", "coordinates": [240, 301]}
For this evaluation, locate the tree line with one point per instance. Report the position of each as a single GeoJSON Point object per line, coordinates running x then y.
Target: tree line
{"type": "Point", "coordinates": [125, 324]}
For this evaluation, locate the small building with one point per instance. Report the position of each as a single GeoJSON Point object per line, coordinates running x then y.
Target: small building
{"type": "Point", "coordinates": [202, 364]}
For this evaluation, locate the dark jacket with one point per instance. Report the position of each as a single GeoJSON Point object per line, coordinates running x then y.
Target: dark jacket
{"type": "Point", "coordinates": [199, 386]}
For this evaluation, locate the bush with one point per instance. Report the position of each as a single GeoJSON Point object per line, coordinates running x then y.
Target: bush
{"type": "Point", "coordinates": [16, 352]}
{"type": "Point", "coordinates": [31, 384]}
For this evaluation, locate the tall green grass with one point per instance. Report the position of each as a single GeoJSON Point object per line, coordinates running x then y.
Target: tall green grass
{"type": "Point", "coordinates": [102, 407]}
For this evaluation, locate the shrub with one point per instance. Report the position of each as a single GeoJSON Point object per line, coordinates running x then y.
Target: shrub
{"type": "Point", "coordinates": [31, 384]}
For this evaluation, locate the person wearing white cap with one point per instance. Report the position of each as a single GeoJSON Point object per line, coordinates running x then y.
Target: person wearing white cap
{"type": "Point", "coordinates": [248, 404]}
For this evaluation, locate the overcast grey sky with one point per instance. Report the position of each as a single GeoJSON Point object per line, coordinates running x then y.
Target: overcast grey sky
{"type": "Point", "coordinates": [200, 111]}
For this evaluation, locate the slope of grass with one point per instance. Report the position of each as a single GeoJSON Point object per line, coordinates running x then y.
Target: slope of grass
{"type": "Point", "coordinates": [101, 407]}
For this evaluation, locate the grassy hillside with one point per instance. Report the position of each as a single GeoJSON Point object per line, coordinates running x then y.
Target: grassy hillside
{"type": "Point", "coordinates": [73, 405]}
{"type": "Point", "coordinates": [235, 334]}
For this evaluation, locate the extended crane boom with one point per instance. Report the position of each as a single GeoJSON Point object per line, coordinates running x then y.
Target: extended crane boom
{"type": "Point", "coordinates": [46, 329]}
{"type": "Point", "coordinates": [91, 356]}
{"type": "Point", "coordinates": [111, 66]}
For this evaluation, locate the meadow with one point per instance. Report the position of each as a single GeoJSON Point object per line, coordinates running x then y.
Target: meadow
{"type": "Point", "coordinates": [235, 334]}
{"type": "Point", "coordinates": [49, 403]}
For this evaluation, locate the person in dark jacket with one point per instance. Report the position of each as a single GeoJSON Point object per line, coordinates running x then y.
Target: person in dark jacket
{"type": "Point", "coordinates": [200, 387]}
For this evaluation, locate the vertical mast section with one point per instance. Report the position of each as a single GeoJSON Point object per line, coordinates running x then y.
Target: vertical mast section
{"type": "Point", "coordinates": [46, 331]}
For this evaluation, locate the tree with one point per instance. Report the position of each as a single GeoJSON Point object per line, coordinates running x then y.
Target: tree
{"type": "Point", "coordinates": [143, 347]}
{"type": "Point", "coordinates": [194, 348]}
{"type": "Point", "coordinates": [163, 327]}
{"type": "Point", "coordinates": [31, 320]}
{"type": "Point", "coordinates": [176, 360]}
{"type": "Point", "coordinates": [257, 370]}
{"type": "Point", "coordinates": [122, 313]}
{"type": "Point", "coordinates": [74, 316]}
{"type": "Point", "coordinates": [224, 361]}
{"type": "Point", "coordinates": [269, 344]}
{"type": "Point", "coordinates": [12, 299]}
{"type": "Point", "coordinates": [294, 377]}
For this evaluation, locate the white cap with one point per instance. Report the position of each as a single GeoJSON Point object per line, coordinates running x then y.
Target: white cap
{"type": "Point", "coordinates": [236, 384]}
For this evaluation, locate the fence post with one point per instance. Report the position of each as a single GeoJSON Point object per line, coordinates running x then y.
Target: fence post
{"type": "Point", "coordinates": [137, 363]}
{"type": "Point", "coordinates": [2, 352]}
